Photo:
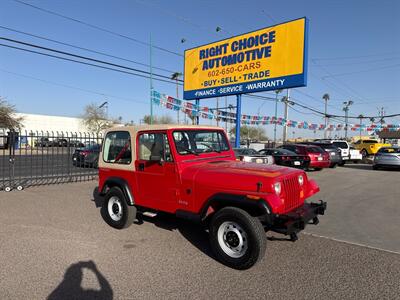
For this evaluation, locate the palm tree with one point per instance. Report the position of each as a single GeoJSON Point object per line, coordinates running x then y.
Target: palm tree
{"type": "Point", "coordinates": [326, 98]}
{"type": "Point", "coordinates": [175, 76]}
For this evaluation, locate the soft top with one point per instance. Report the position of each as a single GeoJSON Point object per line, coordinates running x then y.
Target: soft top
{"type": "Point", "coordinates": [136, 128]}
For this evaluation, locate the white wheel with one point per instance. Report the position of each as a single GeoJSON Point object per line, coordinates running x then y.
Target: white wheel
{"type": "Point", "coordinates": [114, 208]}
{"type": "Point", "coordinates": [7, 189]}
{"type": "Point", "coordinates": [232, 239]}
{"type": "Point", "coordinates": [20, 188]}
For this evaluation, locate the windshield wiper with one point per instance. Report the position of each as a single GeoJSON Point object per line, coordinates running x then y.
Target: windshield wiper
{"type": "Point", "coordinates": [191, 151]}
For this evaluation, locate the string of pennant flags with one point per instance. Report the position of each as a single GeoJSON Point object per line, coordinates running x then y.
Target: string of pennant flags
{"type": "Point", "coordinates": [205, 112]}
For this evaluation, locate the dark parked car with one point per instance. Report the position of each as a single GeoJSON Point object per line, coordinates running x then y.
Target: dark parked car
{"type": "Point", "coordinates": [76, 143]}
{"type": "Point", "coordinates": [251, 155]}
{"type": "Point", "coordinates": [43, 142]}
{"type": "Point", "coordinates": [334, 152]}
{"type": "Point", "coordinates": [319, 158]}
{"type": "Point", "coordinates": [87, 156]}
{"type": "Point", "coordinates": [288, 158]}
{"type": "Point", "coordinates": [60, 143]}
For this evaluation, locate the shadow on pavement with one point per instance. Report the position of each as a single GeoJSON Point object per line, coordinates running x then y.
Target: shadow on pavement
{"type": "Point", "coordinates": [192, 232]}
{"type": "Point", "coordinates": [70, 287]}
{"type": "Point", "coordinates": [369, 168]}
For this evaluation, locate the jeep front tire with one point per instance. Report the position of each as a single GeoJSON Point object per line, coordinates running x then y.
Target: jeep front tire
{"type": "Point", "coordinates": [237, 239]}
{"type": "Point", "coordinates": [115, 211]}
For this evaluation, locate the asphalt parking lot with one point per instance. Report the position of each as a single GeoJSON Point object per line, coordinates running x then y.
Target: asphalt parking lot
{"type": "Point", "coordinates": [54, 244]}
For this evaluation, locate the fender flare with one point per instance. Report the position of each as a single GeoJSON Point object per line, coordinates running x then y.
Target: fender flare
{"type": "Point", "coordinates": [123, 185]}
{"type": "Point", "coordinates": [253, 207]}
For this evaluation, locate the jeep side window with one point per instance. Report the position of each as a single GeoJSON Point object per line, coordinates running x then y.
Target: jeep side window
{"type": "Point", "coordinates": [117, 148]}
{"type": "Point", "coordinates": [154, 146]}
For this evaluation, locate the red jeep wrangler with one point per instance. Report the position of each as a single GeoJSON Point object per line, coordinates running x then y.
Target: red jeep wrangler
{"type": "Point", "coordinates": [191, 171]}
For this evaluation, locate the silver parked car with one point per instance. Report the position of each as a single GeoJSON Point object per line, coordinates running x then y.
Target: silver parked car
{"type": "Point", "coordinates": [251, 155]}
{"type": "Point", "coordinates": [387, 157]}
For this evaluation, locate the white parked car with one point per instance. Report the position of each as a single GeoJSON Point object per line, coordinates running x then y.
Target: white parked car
{"type": "Point", "coordinates": [344, 147]}
{"type": "Point", "coordinates": [355, 155]}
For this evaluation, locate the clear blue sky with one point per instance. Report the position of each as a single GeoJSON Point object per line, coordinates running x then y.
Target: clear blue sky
{"type": "Point", "coordinates": [357, 37]}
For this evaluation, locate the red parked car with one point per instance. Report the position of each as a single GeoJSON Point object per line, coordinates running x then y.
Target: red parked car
{"type": "Point", "coordinates": [319, 158]}
{"type": "Point", "coordinates": [192, 172]}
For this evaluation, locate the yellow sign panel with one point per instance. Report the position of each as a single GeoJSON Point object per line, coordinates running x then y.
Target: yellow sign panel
{"type": "Point", "coordinates": [266, 59]}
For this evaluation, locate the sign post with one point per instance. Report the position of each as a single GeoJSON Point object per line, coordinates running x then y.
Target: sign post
{"type": "Point", "coordinates": [238, 119]}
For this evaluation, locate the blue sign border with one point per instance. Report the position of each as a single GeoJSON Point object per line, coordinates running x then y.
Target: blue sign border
{"type": "Point", "coordinates": [290, 81]}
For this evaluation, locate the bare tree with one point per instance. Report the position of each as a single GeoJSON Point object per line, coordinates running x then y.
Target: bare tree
{"type": "Point", "coordinates": [250, 132]}
{"type": "Point", "coordinates": [8, 119]}
{"type": "Point", "coordinates": [158, 120]}
{"type": "Point", "coordinates": [95, 118]}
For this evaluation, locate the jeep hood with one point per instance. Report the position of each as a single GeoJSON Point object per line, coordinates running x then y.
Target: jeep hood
{"type": "Point", "coordinates": [235, 175]}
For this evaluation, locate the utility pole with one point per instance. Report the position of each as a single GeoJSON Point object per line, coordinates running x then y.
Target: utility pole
{"type": "Point", "coordinates": [346, 110]}
{"type": "Point", "coordinates": [217, 111]}
{"type": "Point", "coordinates": [287, 101]}
{"type": "Point", "coordinates": [226, 119]}
{"type": "Point", "coordinates": [276, 113]}
{"type": "Point", "coordinates": [151, 81]}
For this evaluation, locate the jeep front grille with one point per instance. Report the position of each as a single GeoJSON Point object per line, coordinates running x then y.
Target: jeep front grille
{"type": "Point", "coordinates": [291, 188]}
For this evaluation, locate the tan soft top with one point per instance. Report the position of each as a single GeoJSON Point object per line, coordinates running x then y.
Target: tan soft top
{"type": "Point", "coordinates": [133, 130]}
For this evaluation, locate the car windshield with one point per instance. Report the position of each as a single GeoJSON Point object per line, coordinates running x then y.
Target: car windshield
{"type": "Point", "coordinates": [282, 152]}
{"type": "Point", "coordinates": [389, 150]}
{"type": "Point", "coordinates": [315, 150]}
{"type": "Point", "coordinates": [200, 141]}
{"type": "Point", "coordinates": [370, 141]}
{"type": "Point", "coordinates": [342, 145]}
{"type": "Point", "coordinates": [93, 148]}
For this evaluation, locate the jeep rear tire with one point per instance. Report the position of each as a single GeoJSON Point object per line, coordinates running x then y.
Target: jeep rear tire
{"type": "Point", "coordinates": [237, 239]}
{"type": "Point", "coordinates": [115, 211]}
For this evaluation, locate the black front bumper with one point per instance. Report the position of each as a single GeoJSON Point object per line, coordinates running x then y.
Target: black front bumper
{"type": "Point", "coordinates": [295, 220]}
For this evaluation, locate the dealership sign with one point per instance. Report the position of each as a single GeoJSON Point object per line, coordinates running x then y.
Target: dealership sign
{"type": "Point", "coordinates": [267, 59]}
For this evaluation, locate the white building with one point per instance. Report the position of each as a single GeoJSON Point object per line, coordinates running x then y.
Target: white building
{"type": "Point", "coordinates": [45, 123]}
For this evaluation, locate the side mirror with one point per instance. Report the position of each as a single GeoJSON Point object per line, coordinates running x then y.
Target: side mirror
{"type": "Point", "coordinates": [155, 157]}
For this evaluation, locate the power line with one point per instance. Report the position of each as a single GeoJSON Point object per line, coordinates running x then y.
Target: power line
{"type": "Point", "coordinates": [84, 63]}
{"type": "Point", "coordinates": [83, 48]}
{"type": "Point", "coordinates": [362, 71]}
{"type": "Point", "coordinates": [73, 87]}
{"type": "Point", "coordinates": [97, 27]}
{"type": "Point", "coordinates": [85, 58]}
{"type": "Point", "coordinates": [355, 57]}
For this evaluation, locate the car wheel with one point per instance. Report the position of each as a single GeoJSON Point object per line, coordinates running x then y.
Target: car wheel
{"type": "Point", "coordinates": [364, 153]}
{"type": "Point", "coordinates": [317, 169]}
{"type": "Point", "coordinates": [375, 167]}
{"type": "Point", "coordinates": [115, 211]}
{"type": "Point", "coordinates": [237, 239]}
{"type": "Point", "coordinates": [332, 166]}
{"type": "Point", "coordinates": [341, 164]}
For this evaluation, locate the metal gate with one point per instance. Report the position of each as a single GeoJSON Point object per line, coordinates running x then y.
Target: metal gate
{"type": "Point", "coordinates": [40, 158]}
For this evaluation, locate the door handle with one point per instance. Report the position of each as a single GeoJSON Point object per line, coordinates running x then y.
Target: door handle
{"type": "Point", "coordinates": [141, 166]}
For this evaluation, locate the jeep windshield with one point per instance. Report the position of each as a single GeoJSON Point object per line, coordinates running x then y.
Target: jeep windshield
{"type": "Point", "coordinates": [200, 141]}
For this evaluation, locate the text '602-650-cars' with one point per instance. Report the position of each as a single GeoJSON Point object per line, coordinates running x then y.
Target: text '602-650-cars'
{"type": "Point", "coordinates": [192, 172]}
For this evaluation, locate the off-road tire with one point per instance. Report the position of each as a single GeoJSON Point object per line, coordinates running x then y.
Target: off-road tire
{"type": "Point", "coordinates": [128, 213]}
{"type": "Point", "coordinates": [253, 231]}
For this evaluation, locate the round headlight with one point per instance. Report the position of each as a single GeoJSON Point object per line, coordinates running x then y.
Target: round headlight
{"type": "Point", "coordinates": [277, 188]}
{"type": "Point", "coordinates": [301, 179]}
